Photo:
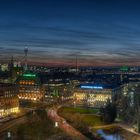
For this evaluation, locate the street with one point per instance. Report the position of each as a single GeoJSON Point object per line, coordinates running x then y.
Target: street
{"type": "Point", "coordinates": [52, 113]}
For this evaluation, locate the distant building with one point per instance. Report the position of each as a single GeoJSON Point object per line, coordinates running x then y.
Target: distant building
{"type": "Point", "coordinates": [16, 72]}
{"type": "Point", "coordinates": [16, 64]}
{"type": "Point", "coordinates": [9, 102]}
{"type": "Point", "coordinates": [92, 95]}
{"type": "Point", "coordinates": [4, 67]}
{"type": "Point", "coordinates": [30, 87]}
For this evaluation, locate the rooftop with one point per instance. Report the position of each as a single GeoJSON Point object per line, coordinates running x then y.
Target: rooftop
{"type": "Point", "coordinates": [97, 86]}
{"type": "Point", "coordinates": [29, 76]}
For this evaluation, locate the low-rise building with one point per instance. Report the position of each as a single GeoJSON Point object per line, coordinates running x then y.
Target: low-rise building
{"type": "Point", "coordinates": [59, 88]}
{"type": "Point", "coordinates": [92, 95]}
{"type": "Point", "coordinates": [9, 102]}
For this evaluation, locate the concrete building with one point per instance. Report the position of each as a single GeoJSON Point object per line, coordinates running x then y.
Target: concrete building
{"type": "Point", "coordinates": [59, 88]}
{"type": "Point", "coordinates": [129, 104]}
{"type": "Point", "coordinates": [131, 90]}
{"type": "Point", "coordinates": [92, 95]}
{"type": "Point", "coordinates": [30, 88]}
{"type": "Point", "coordinates": [9, 102]}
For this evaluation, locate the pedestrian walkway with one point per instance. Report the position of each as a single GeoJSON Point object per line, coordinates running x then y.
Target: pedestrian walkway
{"type": "Point", "coordinates": [52, 113]}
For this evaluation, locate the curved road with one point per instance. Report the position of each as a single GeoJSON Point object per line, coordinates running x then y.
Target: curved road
{"type": "Point", "coordinates": [12, 123]}
{"type": "Point", "coordinates": [52, 113]}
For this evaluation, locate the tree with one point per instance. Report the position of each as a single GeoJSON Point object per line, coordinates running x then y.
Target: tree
{"type": "Point", "coordinates": [20, 132]}
{"type": "Point", "coordinates": [109, 112]}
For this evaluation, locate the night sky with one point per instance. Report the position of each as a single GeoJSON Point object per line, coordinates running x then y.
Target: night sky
{"type": "Point", "coordinates": [98, 32]}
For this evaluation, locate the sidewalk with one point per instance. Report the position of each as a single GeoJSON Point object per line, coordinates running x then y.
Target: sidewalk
{"type": "Point", "coordinates": [127, 128]}
{"type": "Point", "coordinates": [121, 125]}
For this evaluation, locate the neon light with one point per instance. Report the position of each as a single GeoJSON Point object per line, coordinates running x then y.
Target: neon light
{"type": "Point", "coordinates": [92, 87]}
{"type": "Point", "coordinates": [124, 68]}
{"type": "Point", "coordinates": [29, 75]}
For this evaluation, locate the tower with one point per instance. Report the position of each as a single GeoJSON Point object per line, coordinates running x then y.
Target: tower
{"type": "Point", "coordinates": [25, 63]}
{"type": "Point", "coordinates": [76, 64]}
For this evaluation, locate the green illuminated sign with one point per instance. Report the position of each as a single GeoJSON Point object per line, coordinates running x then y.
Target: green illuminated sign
{"type": "Point", "coordinates": [29, 75]}
{"type": "Point", "coordinates": [124, 68]}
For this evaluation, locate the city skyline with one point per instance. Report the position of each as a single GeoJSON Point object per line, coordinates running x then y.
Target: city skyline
{"type": "Point", "coordinates": [98, 32]}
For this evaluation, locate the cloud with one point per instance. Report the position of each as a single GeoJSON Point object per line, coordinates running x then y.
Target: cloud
{"type": "Point", "coordinates": [102, 44]}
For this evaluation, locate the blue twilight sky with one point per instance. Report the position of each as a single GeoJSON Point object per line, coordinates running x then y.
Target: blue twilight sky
{"type": "Point", "coordinates": [99, 32]}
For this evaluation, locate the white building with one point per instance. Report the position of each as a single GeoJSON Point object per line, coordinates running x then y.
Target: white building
{"type": "Point", "coordinates": [94, 95]}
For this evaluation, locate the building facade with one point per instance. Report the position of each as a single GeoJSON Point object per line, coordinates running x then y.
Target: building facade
{"type": "Point", "coordinates": [9, 102]}
{"type": "Point", "coordinates": [60, 89]}
{"type": "Point", "coordinates": [30, 88]}
{"type": "Point", "coordinates": [91, 95]}
{"type": "Point", "coordinates": [129, 104]}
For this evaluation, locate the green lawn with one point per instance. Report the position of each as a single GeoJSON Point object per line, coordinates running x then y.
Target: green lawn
{"type": "Point", "coordinates": [79, 110]}
{"type": "Point", "coordinates": [76, 114]}
{"type": "Point", "coordinates": [92, 120]}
